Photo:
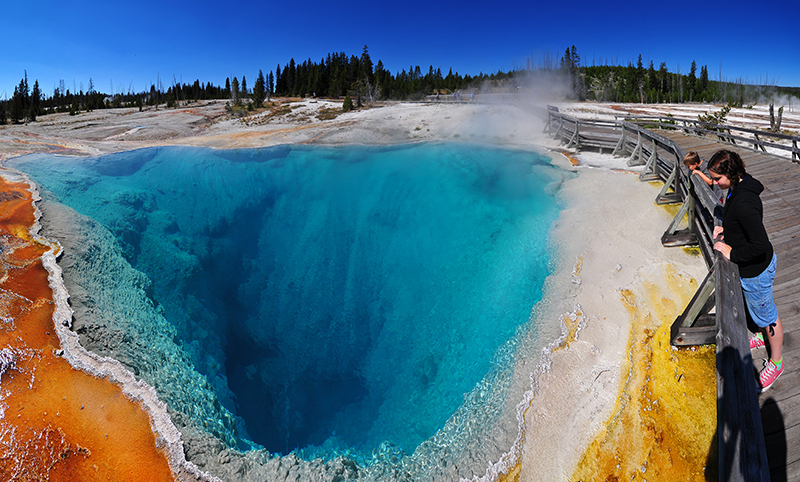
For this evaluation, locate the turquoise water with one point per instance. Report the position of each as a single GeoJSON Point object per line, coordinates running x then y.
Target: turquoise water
{"type": "Point", "coordinates": [334, 299]}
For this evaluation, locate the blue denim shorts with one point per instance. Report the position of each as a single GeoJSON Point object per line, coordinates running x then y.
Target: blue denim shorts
{"type": "Point", "coordinates": [758, 296]}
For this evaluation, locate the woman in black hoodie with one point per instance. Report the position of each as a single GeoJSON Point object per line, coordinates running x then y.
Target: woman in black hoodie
{"type": "Point", "coordinates": [746, 243]}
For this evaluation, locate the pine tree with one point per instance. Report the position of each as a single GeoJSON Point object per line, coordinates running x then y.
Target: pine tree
{"type": "Point", "coordinates": [90, 96]}
{"type": "Point", "coordinates": [271, 85]}
{"type": "Point", "coordinates": [366, 66]}
{"type": "Point", "coordinates": [663, 86]}
{"type": "Point", "coordinates": [62, 90]}
{"type": "Point", "coordinates": [569, 65]}
{"type": "Point", "coordinates": [704, 82]}
{"type": "Point", "coordinates": [640, 79]}
{"type": "Point", "coordinates": [196, 90]}
{"type": "Point", "coordinates": [25, 91]}
{"type": "Point", "coordinates": [36, 99]}
{"type": "Point", "coordinates": [652, 80]}
{"type": "Point", "coordinates": [381, 79]}
{"type": "Point", "coordinates": [20, 102]}
{"type": "Point", "coordinates": [347, 106]}
{"type": "Point", "coordinates": [235, 90]}
{"type": "Point", "coordinates": [75, 107]}
{"type": "Point", "coordinates": [692, 81]}
{"type": "Point", "coordinates": [17, 108]}
{"type": "Point", "coordinates": [152, 99]}
{"type": "Point", "coordinates": [259, 90]}
{"type": "Point", "coordinates": [289, 77]}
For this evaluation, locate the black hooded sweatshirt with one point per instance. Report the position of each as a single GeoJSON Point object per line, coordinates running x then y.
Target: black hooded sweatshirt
{"type": "Point", "coordinates": [744, 228]}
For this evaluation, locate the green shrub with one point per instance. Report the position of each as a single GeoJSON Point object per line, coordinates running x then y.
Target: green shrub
{"type": "Point", "coordinates": [348, 103]}
{"type": "Point", "coordinates": [715, 117]}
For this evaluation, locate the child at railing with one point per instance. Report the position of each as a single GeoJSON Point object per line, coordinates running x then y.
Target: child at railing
{"type": "Point", "coordinates": [699, 168]}
{"type": "Point", "coordinates": [744, 241]}
{"type": "Point", "coordinates": [692, 162]}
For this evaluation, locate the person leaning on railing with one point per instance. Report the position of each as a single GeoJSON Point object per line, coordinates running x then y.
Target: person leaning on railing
{"type": "Point", "coordinates": [695, 165]}
{"type": "Point", "coordinates": [744, 241]}
{"type": "Point", "coordinates": [698, 167]}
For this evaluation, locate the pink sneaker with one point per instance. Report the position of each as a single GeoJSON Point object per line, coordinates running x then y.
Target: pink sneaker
{"type": "Point", "coordinates": [756, 341]}
{"type": "Point", "coordinates": [768, 375]}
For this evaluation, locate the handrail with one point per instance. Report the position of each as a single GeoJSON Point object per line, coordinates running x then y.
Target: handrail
{"type": "Point", "coordinates": [719, 130]}
{"type": "Point", "coordinates": [741, 448]}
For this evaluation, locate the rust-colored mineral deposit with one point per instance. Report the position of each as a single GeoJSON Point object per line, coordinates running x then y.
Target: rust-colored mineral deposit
{"type": "Point", "coordinates": [56, 423]}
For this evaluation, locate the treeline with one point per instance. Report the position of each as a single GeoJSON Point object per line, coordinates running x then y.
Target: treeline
{"type": "Point", "coordinates": [334, 76]}
{"type": "Point", "coordinates": [637, 83]}
{"type": "Point", "coordinates": [24, 104]}
{"type": "Point", "coordinates": [339, 75]}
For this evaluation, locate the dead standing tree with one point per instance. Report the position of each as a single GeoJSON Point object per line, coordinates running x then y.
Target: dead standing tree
{"type": "Point", "coordinates": [775, 124]}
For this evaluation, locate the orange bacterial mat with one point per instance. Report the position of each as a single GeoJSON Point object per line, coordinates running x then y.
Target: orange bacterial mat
{"type": "Point", "coordinates": [56, 423]}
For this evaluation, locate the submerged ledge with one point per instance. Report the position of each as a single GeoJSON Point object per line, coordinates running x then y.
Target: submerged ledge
{"type": "Point", "coordinates": [106, 425]}
{"type": "Point", "coordinates": [613, 372]}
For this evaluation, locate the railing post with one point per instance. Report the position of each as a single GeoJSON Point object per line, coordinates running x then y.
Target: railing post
{"type": "Point", "coordinates": [650, 171]}
{"type": "Point", "coordinates": [684, 237]}
{"type": "Point", "coordinates": [757, 143]}
{"type": "Point", "coordinates": [575, 141]}
{"type": "Point", "coordinates": [637, 152]}
{"type": "Point", "coordinates": [675, 196]}
{"type": "Point", "coordinates": [560, 125]}
{"type": "Point", "coordinates": [695, 326]}
{"type": "Point", "coordinates": [621, 148]}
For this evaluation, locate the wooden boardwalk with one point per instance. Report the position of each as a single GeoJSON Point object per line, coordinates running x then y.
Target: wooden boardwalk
{"type": "Point", "coordinates": [780, 406]}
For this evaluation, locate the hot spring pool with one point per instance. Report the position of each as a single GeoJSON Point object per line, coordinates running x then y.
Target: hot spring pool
{"type": "Point", "coordinates": [320, 300]}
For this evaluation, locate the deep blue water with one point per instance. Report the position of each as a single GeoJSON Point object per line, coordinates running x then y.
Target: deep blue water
{"type": "Point", "coordinates": [334, 298]}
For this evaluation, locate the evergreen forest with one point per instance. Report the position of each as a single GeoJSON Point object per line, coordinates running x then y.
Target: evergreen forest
{"type": "Point", "coordinates": [357, 77]}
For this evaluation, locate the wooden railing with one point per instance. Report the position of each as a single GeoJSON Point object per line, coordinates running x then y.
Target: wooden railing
{"type": "Point", "coordinates": [724, 133]}
{"type": "Point", "coordinates": [716, 313]}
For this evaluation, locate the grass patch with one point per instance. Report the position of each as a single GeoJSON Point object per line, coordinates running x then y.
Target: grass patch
{"type": "Point", "coordinates": [274, 110]}
{"type": "Point", "coordinates": [328, 113]}
{"type": "Point", "coordinates": [236, 110]}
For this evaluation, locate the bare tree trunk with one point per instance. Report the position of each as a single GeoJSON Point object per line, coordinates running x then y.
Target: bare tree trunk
{"type": "Point", "coordinates": [772, 115]}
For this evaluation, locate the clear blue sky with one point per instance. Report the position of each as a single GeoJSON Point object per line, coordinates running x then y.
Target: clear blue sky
{"type": "Point", "coordinates": [131, 44]}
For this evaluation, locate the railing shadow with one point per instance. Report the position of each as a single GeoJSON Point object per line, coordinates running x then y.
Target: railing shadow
{"type": "Point", "coordinates": [738, 452]}
{"type": "Point", "coordinates": [735, 450]}
{"type": "Point", "coordinates": [712, 460]}
{"type": "Point", "coordinates": [776, 444]}
{"type": "Point", "coordinates": [741, 454]}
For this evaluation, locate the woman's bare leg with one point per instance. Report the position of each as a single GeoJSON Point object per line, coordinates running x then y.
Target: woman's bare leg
{"type": "Point", "coordinates": [774, 336]}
